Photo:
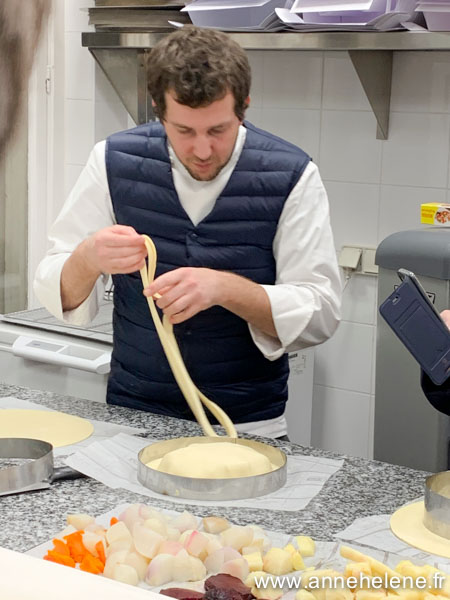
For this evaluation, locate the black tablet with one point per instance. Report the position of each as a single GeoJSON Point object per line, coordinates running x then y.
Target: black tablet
{"type": "Point", "coordinates": [414, 319]}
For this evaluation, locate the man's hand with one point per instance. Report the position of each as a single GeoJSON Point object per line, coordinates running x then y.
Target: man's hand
{"type": "Point", "coordinates": [116, 249]}
{"type": "Point", "coordinates": [445, 314]}
{"type": "Point", "coordinates": [185, 292]}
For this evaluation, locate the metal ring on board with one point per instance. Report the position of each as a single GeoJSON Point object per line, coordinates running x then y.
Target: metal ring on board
{"type": "Point", "coordinates": [437, 504]}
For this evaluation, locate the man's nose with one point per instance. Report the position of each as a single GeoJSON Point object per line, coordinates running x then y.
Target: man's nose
{"type": "Point", "coordinates": [202, 147]}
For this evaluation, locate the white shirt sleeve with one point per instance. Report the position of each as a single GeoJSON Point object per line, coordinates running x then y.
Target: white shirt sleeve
{"type": "Point", "coordinates": [306, 297]}
{"type": "Point", "coordinates": [87, 209]}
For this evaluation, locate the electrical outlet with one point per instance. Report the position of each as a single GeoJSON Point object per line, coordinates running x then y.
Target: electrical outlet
{"type": "Point", "coordinates": [359, 259]}
{"type": "Point", "coordinates": [368, 265]}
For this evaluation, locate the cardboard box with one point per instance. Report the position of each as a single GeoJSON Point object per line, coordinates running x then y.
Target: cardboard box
{"type": "Point", "coordinates": [434, 213]}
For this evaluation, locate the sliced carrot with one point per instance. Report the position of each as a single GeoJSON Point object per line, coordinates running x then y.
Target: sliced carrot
{"type": "Point", "coordinates": [92, 564]}
{"type": "Point", "coordinates": [99, 546]}
{"type": "Point", "coordinates": [113, 521]}
{"type": "Point", "coordinates": [61, 559]}
{"type": "Point", "coordinates": [76, 547]}
{"type": "Point", "coordinates": [61, 547]}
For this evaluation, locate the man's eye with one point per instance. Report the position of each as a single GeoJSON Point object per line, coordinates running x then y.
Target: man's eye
{"type": "Point", "coordinates": [217, 131]}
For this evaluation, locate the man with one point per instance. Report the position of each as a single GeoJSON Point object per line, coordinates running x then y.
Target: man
{"type": "Point", "coordinates": [20, 26]}
{"type": "Point", "coordinates": [246, 263]}
{"type": "Point", "coordinates": [438, 395]}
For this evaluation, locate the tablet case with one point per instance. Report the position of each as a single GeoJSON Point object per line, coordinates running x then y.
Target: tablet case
{"type": "Point", "coordinates": [413, 319]}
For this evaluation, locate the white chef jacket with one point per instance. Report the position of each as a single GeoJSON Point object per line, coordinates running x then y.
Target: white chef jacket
{"type": "Point", "coordinates": [305, 299]}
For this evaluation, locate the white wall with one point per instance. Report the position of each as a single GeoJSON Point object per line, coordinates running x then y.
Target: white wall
{"type": "Point", "coordinates": [375, 187]}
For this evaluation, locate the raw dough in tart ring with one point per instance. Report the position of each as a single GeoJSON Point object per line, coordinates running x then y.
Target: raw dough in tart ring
{"type": "Point", "coordinates": [407, 524]}
{"type": "Point", "coordinates": [57, 428]}
{"type": "Point", "coordinates": [213, 461]}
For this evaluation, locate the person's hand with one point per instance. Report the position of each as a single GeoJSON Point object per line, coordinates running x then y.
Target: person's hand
{"type": "Point", "coordinates": [186, 291]}
{"type": "Point", "coordinates": [445, 314]}
{"type": "Point", "coordinates": [115, 249]}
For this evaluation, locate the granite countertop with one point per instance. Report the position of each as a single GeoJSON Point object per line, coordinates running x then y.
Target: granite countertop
{"type": "Point", "coordinates": [360, 488]}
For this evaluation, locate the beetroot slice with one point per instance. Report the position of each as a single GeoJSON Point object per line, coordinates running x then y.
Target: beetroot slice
{"type": "Point", "coordinates": [182, 594]}
{"type": "Point", "coordinates": [226, 587]}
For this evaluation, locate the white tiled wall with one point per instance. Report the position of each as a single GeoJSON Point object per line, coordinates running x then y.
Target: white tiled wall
{"type": "Point", "coordinates": [375, 187]}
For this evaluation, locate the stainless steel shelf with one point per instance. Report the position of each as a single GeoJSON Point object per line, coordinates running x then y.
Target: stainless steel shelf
{"type": "Point", "coordinates": [122, 56]}
{"type": "Point", "coordinates": [332, 41]}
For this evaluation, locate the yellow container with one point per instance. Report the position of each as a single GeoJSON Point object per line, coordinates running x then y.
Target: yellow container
{"type": "Point", "coordinates": [435, 213]}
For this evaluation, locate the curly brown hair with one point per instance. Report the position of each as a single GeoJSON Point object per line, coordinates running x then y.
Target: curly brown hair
{"type": "Point", "coordinates": [199, 66]}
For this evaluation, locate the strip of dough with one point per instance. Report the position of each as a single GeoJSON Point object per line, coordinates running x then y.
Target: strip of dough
{"type": "Point", "coordinates": [194, 397]}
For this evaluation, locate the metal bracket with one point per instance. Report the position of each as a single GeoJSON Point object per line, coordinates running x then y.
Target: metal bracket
{"type": "Point", "coordinates": [126, 70]}
{"type": "Point", "coordinates": [374, 69]}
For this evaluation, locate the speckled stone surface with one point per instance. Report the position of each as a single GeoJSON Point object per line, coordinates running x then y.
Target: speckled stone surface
{"type": "Point", "coordinates": [360, 488]}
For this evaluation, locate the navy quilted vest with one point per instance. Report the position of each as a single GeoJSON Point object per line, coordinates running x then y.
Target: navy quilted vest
{"type": "Point", "coordinates": [236, 236]}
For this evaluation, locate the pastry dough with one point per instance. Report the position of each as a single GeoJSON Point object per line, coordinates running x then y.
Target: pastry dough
{"type": "Point", "coordinates": [407, 524]}
{"type": "Point", "coordinates": [192, 394]}
{"type": "Point", "coordinates": [57, 428]}
{"type": "Point", "coordinates": [213, 461]}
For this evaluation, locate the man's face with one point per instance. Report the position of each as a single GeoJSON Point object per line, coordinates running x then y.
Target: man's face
{"type": "Point", "coordinates": [203, 138]}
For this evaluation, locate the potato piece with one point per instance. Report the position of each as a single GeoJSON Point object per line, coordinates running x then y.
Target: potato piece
{"type": "Point", "coordinates": [357, 569]}
{"type": "Point", "coordinates": [277, 562]}
{"type": "Point", "coordinates": [255, 561]}
{"type": "Point", "coordinates": [117, 532]}
{"type": "Point", "coordinates": [340, 593]}
{"type": "Point", "coordinates": [79, 520]}
{"type": "Point", "coordinates": [160, 570]}
{"type": "Point", "coordinates": [253, 548]}
{"type": "Point", "coordinates": [304, 595]}
{"type": "Point", "coordinates": [215, 524]}
{"type": "Point", "coordinates": [237, 537]}
{"type": "Point", "coordinates": [266, 591]}
{"type": "Point", "coordinates": [290, 548]}
{"type": "Point", "coordinates": [125, 574]}
{"type": "Point", "coordinates": [297, 561]}
{"type": "Point", "coordinates": [364, 594]}
{"type": "Point", "coordinates": [306, 545]}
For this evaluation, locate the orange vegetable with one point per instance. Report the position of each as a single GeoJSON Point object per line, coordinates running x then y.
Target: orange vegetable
{"type": "Point", "coordinates": [92, 564]}
{"type": "Point", "coordinates": [61, 559]}
{"type": "Point", "coordinates": [61, 547]}
{"type": "Point", "coordinates": [101, 551]}
{"type": "Point", "coordinates": [113, 521]}
{"type": "Point", "coordinates": [76, 547]}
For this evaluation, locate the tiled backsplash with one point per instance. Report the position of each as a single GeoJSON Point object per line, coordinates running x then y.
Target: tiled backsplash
{"type": "Point", "coordinates": [375, 187]}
